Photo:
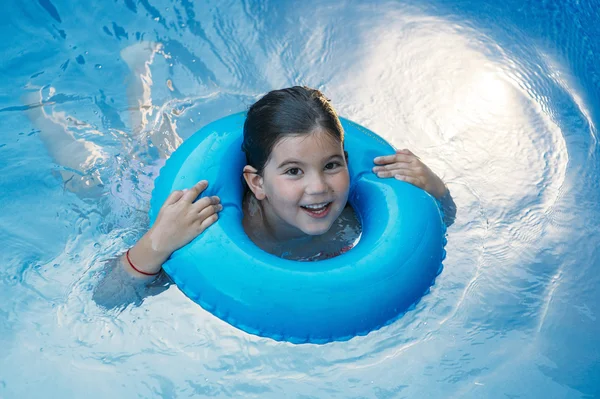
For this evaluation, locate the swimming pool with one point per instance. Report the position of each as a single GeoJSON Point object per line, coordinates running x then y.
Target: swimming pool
{"type": "Point", "coordinates": [501, 99]}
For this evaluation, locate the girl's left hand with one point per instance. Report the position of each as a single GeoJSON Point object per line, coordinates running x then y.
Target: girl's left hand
{"type": "Point", "coordinates": [406, 166]}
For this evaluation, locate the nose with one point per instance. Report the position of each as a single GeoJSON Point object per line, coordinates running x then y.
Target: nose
{"type": "Point", "coordinates": [316, 184]}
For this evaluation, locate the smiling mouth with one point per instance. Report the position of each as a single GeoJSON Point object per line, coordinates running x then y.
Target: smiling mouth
{"type": "Point", "coordinates": [317, 210]}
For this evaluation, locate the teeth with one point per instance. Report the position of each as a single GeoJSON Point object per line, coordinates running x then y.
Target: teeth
{"type": "Point", "coordinates": [316, 206]}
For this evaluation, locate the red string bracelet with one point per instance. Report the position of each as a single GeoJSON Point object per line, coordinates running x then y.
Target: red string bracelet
{"type": "Point", "coordinates": [135, 268]}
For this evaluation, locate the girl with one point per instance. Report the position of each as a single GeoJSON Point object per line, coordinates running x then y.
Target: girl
{"type": "Point", "coordinates": [298, 183]}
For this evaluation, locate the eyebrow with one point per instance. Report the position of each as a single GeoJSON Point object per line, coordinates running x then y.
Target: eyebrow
{"type": "Point", "coordinates": [298, 162]}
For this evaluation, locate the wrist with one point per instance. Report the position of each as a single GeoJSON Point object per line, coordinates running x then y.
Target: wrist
{"type": "Point", "coordinates": [139, 270]}
{"type": "Point", "coordinates": [144, 258]}
{"type": "Point", "coordinates": [154, 242]}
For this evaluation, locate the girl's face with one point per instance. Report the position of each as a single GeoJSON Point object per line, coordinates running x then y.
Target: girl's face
{"type": "Point", "coordinates": [304, 186]}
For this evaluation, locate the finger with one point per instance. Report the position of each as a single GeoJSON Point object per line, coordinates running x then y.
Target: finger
{"type": "Point", "coordinates": [207, 222]}
{"type": "Point", "coordinates": [409, 179]}
{"type": "Point", "coordinates": [406, 151]}
{"type": "Point", "coordinates": [174, 197]}
{"type": "Point", "coordinates": [387, 159]}
{"type": "Point", "coordinates": [205, 202]}
{"type": "Point", "coordinates": [398, 171]}
{"type": "Point", "coordinates": [210, 210]}
{"type": "Point", "coordinates": [193, 193]}
{"type": "Point", "coordinates": [396, 165]}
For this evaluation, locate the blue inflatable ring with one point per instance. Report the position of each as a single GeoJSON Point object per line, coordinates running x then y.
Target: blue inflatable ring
{"type": "Point", "coordinates": [384, 275]}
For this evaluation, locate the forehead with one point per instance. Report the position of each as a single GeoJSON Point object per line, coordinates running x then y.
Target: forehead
{"type": "Point", "coordinates": [306, 146]}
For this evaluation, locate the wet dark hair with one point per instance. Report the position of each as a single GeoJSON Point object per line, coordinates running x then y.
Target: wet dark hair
{"type": "Point", "coordinates": [292, 111]}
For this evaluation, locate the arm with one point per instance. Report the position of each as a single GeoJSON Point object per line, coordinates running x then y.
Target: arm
{"type": "Point", "coordinates": [179, 221]}
{"type": "Point", "coordinates": [117, 288]}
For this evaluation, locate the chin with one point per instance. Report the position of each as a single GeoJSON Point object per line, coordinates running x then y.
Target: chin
{"type": "Point", "coordinates": [316, 231]}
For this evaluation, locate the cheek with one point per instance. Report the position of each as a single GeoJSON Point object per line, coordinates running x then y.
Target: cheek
{"type": "Point", "coordinates": [342, 183]}
{"type": "Point", "coordinates": [286, 192]}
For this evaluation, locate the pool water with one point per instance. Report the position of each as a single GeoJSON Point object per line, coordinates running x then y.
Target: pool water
{"type": "Point", "coordinates": [502, 99]}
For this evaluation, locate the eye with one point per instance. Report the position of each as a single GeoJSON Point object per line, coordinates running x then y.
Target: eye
{"type": "Point", "coordinates": [332, 165]}
{"type": "Point", "coordinates": [293, 171]}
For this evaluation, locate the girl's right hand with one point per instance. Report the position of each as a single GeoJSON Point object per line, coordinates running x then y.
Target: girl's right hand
{"type": "Point", "coordinates": [179, 221]}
